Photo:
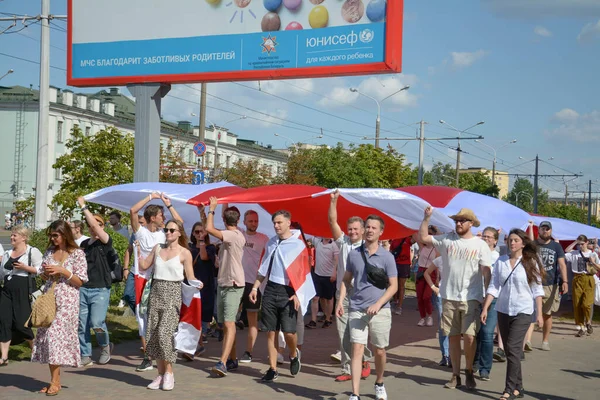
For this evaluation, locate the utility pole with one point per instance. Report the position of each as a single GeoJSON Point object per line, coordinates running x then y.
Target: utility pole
{"type": "Point", "coordinates": [535, 185]}
{"type": "Point", "coordinates": [202, 121]}
{"type": "Point", "coordinates": [377, 124]}
{"type": "Point", "coordinates": [458, 151]}
{"type": "Point", "coordinates": [421, 150]}
{"type": "Point", "coordinates": [42, 178]}
{"type": "Point", "coordinates": [590, 202]}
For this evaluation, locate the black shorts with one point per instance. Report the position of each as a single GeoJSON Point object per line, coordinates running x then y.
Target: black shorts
{"type": "Point", "coordinates": [403, 270]}
{"type": "Point", "coordinates": [323, 286]}
{"type": "Point", "coordinates": [278, 311]}
{"type": "Point", "coordinates": [246, 303]}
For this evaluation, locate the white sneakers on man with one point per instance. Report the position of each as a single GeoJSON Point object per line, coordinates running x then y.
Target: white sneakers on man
{"type": "Point", "coordinates": [421, 322]}
{"type": "Point", "coordinates": [380, 393]}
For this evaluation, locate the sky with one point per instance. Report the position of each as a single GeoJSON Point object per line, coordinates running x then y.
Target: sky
{"type": "Point", "coordinates": [528, 68]}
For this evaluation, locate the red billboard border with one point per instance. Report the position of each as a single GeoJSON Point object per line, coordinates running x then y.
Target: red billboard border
{"type": "Point", "coordinates": [392, 62]}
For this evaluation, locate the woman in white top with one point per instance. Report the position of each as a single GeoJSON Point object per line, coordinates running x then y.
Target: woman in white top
{"type": "Point", "coordinates": [583, 282]}
{"type": "Point", "coordinates": [427, 254]}
{"type": "Point", "coordinates": [164, 302]}
{"type": "Point", "coordinates": [520, 279]}
{"type": "Point", "coordinates": [19, 267]}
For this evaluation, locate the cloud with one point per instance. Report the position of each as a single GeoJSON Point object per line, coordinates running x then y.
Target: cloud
{"type": "Point", "coordinates": [582, 128]}
{"type": "Point", "coordinates": [589, 32]}
{"type": "Point", "coordinates": [466, 59]}
{"type": "Point", "coordinates": [378, 88]}
{"type": "Point", "coordinates": [566, 115]}
{"type": "Point", "coordinates": [544, 8]}
{"type": "Point", "coordinates": [541, 31]}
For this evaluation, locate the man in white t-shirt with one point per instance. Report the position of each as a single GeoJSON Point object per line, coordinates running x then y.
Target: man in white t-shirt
{"type": "Point", "coordinates": [77, 229]}
{"type": "Point", "coordinates": [324, 277]}
{"type": "Point", "coordinates": [147, 237]}
{"type": "Point", "coordinates": [253, 253]}
{"type": "Point", "coordinates": [467, 264]}
{"type": "Point", "coordinates": [346, 243]}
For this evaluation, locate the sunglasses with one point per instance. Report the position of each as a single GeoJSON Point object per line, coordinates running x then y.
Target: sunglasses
{"type": "Point", "coordinates": [488, 237]}
{"type": "Point", "coordinates": [197, 231]}
{"type": "Point", "coordinates": [55, 235]}
{"type": "Point", "coordinates": [461, 221]}
{"type": "Point", "coordinates": [166, 230]}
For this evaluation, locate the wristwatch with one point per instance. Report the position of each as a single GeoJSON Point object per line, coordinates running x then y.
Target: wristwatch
{"type": "Point", "coordinates": [170, 205]}
{"type": "Point", "coordinates": [211, 212]}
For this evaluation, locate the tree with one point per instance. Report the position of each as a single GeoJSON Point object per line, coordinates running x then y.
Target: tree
{"type": "Point", "coordinates": [478, 182]}
{"type": "Point", "coordinates": [26, 208]}
{"type": "Point", "coordinates": [92, 163]}
{"type": "Point", "coordinates": [246, 174]}
{"type": "Point", "coordinates": [172, 167]}
{"type": "Point", "coordinates": [523, 192]}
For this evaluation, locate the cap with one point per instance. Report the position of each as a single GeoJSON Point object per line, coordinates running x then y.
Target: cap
{"type": "Point", "coordinates": [545, 224]}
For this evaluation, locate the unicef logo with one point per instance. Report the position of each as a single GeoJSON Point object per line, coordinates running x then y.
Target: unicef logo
{"type": "Point", "coordinates": [366, 35]}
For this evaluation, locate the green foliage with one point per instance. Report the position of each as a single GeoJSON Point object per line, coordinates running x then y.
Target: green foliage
{"type": "Point", "coordinates": [570, 212]}
{"type": "Point", "coordinates": [39, 239]}
{"type": "Point", "coordinates": [358, 166]}
{"type": "Point", "coordinates": [521, 195]}
{"type": "Point", "coordinates": [246, 174]}
{"type": "Point", "coordinates": [92, 163]}
{"type": "Point", "coordinates": [26, 207]}
{"type": "Point", "coordinates": [478, 182]}
{"type": "Point", "coordinates": [172, 167]}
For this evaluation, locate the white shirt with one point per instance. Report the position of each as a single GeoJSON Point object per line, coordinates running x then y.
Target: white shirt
{"type": "Point", "coordinates": [516, 294]}
{"type": "Point", "coordinates": [254, 250]}
{"type": "Point", "coordinates": [146, 242]}
{"type": "Point", "coordinates": [577, 263]}
{"type": "Point", "coordinates": [81, 239]}
{"type": "Point", "coordinates": [325, 257]}
{"type": "Point", "coordinates": [461, 278]}
{"type": "Point", "coordinates": [36, 261]}
{"type": "Point", "coordinates": [345, 246]}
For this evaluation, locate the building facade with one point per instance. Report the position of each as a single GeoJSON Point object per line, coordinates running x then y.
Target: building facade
{"type": "Point", "coordinates": [501, 179]}
{"type": "Point", "coordinates": [19, 108]}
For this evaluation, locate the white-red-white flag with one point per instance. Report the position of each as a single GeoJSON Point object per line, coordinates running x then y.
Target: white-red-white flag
{"type": "Point", "coordinates": [190, 318]}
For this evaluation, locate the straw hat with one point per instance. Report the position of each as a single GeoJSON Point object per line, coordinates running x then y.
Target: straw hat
{"type": "Point", "coordinates": [468, 214]}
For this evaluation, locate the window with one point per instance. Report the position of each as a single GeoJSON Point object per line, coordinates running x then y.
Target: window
{"type": "Point", "coordinates": [88, 130]}
{"type": "Point", "coordinates": [228, 162]}
{"type": "Point", "coordinates": [59, 132]}
{"type": "Point", "coordinates": [190, 156]}
{"type": "Point", "coordinates": [58, 174]}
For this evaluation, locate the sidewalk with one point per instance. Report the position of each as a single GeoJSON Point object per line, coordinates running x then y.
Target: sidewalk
{"type": "Point", "coordinates": [570, 371]}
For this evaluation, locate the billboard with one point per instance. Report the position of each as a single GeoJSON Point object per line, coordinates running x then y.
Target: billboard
{"type": "Point", "coordinates": [117, 42]}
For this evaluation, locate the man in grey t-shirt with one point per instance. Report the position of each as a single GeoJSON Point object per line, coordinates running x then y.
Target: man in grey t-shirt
{"type": "Point", "coordinates": [370, 313]}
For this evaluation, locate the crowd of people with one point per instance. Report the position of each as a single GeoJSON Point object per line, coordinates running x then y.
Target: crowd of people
{"type": "Point", "coordinates": [482, 291]}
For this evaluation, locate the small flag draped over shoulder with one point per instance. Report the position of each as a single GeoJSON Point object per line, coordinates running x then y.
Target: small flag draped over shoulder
{"type": "Point", "coordinates": [293, 255]}
{"type": "Point", "coordinates": [190, 318]}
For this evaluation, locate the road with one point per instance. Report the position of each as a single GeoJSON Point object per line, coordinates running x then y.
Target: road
{"type": "Point", "coordinates": [570, 371]}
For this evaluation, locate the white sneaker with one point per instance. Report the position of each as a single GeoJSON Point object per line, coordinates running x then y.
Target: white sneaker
{"type": "Point", "coordinates": [155, 384]}
{"type": "Point", "coordinates": [545, 346]}
{"type": "Point", "coordinates": [398, 311]}
{"type": "Point", "coordinates": [121, 304]}
{"type": "Point", "coordinates": [421, 322]}
{"type": "Point", "coordinates": [168, 381]}
{"type": "Point", "coordinates": [353, 397]}
{"type": "Point", "coordinates": [429, 321]}
{"type": "Point", "coordinates": [279, 358]}
{"type": "Point", "coordinates": [380, 393]}
{"type": "Point", "coordinates": [337, 357]}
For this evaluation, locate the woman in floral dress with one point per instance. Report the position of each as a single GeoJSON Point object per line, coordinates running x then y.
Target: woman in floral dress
{"type": "Point", "coordinates": [65, 264]}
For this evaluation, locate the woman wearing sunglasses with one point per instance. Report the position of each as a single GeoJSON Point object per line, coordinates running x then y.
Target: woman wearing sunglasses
{"type": "Point", "coordinates": [170, 261]}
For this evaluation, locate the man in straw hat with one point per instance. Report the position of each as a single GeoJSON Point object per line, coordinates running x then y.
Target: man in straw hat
{"type": "Point", "coordinates": [466, 260]}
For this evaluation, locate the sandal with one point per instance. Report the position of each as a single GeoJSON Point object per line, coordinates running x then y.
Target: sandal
{"type": "Point", "coordinates": [53, 390]}
{"type": "Point", "coordinates": [3, 362]}
{"type": "Point", "coordinates": [507, 396]}
{"type": "Point", "coordinates": [44, 390]}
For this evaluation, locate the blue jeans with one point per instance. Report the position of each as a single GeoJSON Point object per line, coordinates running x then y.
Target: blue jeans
{"type": "Point", "coordinates": [437, 304]}
{"type": "Point", "coordinates": [93, 305]}
{"type": "Point", "coordinates": [485, 342]}
{"type": "Point", "coordinates": [129, 292]}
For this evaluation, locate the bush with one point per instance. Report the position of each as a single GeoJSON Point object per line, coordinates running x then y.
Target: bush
{"type": "Point", "coordinates": [39, 239]}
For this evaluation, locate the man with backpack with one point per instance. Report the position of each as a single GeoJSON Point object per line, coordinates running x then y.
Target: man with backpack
{"type": "Point", "coordinates": [403, 254]}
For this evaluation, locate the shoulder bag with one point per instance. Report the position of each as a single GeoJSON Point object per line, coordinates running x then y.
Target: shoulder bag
{"type": "Point", "coordinates": [375, 276]}
{"type": "Point", "coordinates": [589, 267]}
{"type": "Point", "coordinates": [43, 310]}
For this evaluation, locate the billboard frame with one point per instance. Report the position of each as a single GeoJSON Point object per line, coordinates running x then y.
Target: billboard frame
{"type": "Point", "coordinates": [392, 61]}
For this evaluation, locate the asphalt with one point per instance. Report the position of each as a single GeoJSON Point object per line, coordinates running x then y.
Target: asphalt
{"type": "Point", "coordinates": [570, 371]}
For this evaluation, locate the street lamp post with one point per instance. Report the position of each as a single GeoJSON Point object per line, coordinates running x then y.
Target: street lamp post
{"type": "Point", "coordinates": [217, 137]}
{"type": "Point", "coordinates": [494, 150]}
{"type": "Point", "coordinates": [526, 194]}
{"type": "Point", "coordinates": [294, 143]}
{"type": "Point", "coordinates": [10, 71]}
{"type": "Point", "coordinates": [458, 150]}
{"type": "Point", "coordinates": [378, 120]}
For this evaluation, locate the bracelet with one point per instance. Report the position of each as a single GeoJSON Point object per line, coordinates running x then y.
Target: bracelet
{"type": "Point", "coordinates": [211, 212]}
{"type": "Point", "coordinates": [125, 269]}
{"type": "Point", "coordinates": [84, 208]}
{"type": "Point", "coordinates": [150, 197]}
{"type": "Point", "coordinates": [69, 278]}
{"type": "Point", "coordinates": [170, 205]}
{"type": "Point", "coordinates": [255, 289]}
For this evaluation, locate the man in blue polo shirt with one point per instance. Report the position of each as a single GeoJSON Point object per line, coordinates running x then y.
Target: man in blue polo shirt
{"type": "Point", "coordinates": [370, 313]}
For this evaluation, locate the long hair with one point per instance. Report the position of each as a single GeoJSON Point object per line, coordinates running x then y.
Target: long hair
{"type": "Point", "coordinates": [193, 237]}
{"type": "Point", "coordinates": [183, 239]}
{"type": "Point", "coordinates": [64, 229]}
{"type": "Point", "coordinates": [530, 259]}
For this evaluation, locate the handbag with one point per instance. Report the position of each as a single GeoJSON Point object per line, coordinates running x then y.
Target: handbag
{"type": "Point", "coordinates": [43, 310]}
{"type": "Point", "coordinates": [375, 276]}
{"type": "Point", "coordinates": [589, 267]}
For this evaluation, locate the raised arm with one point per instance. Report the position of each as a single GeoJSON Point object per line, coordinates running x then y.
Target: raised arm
{"type": "Point", "coordinates": [167, 202]}
{"type": "Point", "coordinates": [95, 227]}
{"type": "Point", "coordinates": [530, 230]}
{"type": "Point", "coordinates": [571, 246]}
{"type": "Point", "coordinates": [210, 221]}
{"type": "Point", "coordinates": [336, 231]}
{"type": "Point", "coordinates": [424, 236]}
{"type": "Point", "coordinates": [133, 211]}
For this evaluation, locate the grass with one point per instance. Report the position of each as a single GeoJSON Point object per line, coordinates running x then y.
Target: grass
{"type": "Point", "coordinates": [122, 328]}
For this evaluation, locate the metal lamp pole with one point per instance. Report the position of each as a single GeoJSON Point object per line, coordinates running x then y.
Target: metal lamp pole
{"type": "Point", "coordinates": [378, 120]}
{"type": "Point", "coordinates": [494, 150]}
{"type": "Point", "coordinates": [10, 71]}
{"type": "Point", "coordinates": [458, 150]}
{"type": "Point", "coordinates": [216, 162]}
